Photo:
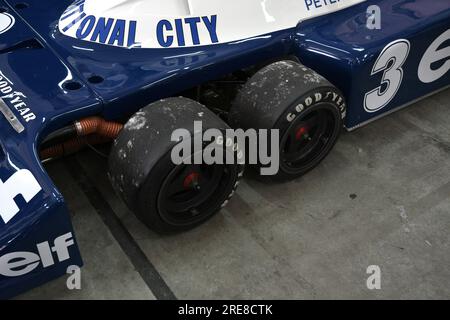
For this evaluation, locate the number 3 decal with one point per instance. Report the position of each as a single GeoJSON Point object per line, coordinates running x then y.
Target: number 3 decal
{"type": "Point", "coordinates": [390, 61]}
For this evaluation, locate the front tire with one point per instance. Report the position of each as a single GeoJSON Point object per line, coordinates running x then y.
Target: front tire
{"type": "Point", "coordinates": [307, 110]}
{"type": "Point", "coordinates": [169, 197]}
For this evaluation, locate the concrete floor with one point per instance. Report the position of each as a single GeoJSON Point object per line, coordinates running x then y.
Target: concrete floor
{"type": "Point", "coordinates": [381, 198]}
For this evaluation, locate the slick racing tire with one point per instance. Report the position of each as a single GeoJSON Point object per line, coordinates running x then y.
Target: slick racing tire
{"type": "Point", "coordinates": [166, 195]}
{"type": "Point", "coordinates": [307, 110]}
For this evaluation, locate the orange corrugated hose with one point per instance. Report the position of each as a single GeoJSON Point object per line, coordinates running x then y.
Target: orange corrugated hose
{"type": "Point", "coordinates": [92, 130]}
{"type": "Point", "coordinates": [99, 126]}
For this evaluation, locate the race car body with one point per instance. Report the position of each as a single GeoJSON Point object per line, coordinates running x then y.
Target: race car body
{"type": "Point", "coordinates": [61, 61]}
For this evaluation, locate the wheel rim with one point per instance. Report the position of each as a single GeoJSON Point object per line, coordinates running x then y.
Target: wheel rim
{"type": "Point", "coordinates": [191, 193]}
{"type": "Point", "coordinates": [309, 138]}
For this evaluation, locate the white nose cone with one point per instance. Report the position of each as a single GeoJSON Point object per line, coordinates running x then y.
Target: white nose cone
{"type": "Point", "coordinates": [6, 22]}
{"type": "Point", "coordinates": [143, 7]}
{"type": "Point", "coordinates": [187, 23]}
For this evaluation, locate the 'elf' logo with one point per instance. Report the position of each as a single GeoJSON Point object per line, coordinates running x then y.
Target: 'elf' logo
{"type": "Point", "coordinates": [16, 264]}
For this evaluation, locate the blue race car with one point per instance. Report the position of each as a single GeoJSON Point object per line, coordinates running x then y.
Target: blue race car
{"type": "Point", "coordinates": [89, 72]}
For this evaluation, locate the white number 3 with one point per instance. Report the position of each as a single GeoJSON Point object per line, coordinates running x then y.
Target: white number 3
{"type": "Point", "coordinates": [390, 61]}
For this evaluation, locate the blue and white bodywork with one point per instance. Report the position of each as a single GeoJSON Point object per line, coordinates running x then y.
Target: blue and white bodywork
{"type": "Point", "coordinates": [147, 50]}
{"type": "Point", "coordinates": [186, 23]}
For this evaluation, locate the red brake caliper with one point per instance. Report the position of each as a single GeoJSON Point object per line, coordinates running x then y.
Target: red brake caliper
{"type": "Point", "coordinates": [191, 181]}
{"type": "Point", "coordinates": [301, 133]}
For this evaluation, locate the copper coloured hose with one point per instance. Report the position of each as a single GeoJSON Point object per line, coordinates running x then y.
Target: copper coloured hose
{"type": "Point", "coordinates": [97, 125]}
{"type": "Point", "coordinates": [90, 131]}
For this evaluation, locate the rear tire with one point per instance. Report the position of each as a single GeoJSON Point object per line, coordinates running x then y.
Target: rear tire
{"type": "Point", "coordinates": [165, 196]}
{"type": "Point", "coordinates": [307, 110]}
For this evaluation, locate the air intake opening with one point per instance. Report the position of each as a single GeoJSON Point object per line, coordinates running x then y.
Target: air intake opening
{"type": "Point", "coordinates": [26, 44]}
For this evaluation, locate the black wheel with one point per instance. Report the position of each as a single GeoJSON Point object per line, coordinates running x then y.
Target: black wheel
{"type": "Point", "coordinates": [307, 110]}
{"type": "Point", "coordinates": [170, 197]}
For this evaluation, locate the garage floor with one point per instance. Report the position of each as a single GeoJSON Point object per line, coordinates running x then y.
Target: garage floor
{"type": "Point", "coordinates": [381, 198]}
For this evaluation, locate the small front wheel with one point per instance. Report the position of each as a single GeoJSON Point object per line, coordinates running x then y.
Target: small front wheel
{"type": "Point", "coordinates": [307, 110]}
{"type": "Point", "coordinates": [169, 196]}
